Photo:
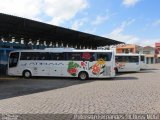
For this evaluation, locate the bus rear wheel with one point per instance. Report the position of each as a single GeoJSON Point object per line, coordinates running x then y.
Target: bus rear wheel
{"type": "Point", "coordinates": [27, 74]}
{"type": "Point", "coordinates": [83, 75]}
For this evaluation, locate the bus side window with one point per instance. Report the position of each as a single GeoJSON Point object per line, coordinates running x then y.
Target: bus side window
{"type": "Point", "coordinates": [116, 58]}
{"type": "Point", "coordinates": [23, 56]}
{"type": "Point", "coordinates": [102, 56]}
{"type": "Point", "coordinates": [33, 57]}
{"type": "Point", "coordinates": [52, 56]}
{"type": "Point", "coordinates": [120, 59]}
{"type": "Point", "coordinates": [126, 59]}
{"type": "Point", "coordinates": [43, 56]}
{"type": "Point", "coordinates": [57, 56]}
{"type": "Point", "coordinates": [133, 59]}
{"type": "Point", "coordinates": [92, 58]}
{"type": "Point", "coordinates": [28, 58]}
{"type": "Point", "coordinates": [74, 56]}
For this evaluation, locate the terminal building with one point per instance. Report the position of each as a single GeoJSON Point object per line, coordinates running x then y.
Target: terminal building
{"type": "Point", "coordinates": [22, 33]}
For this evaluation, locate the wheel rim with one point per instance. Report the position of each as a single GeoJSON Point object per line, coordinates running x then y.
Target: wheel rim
{"type": "Point", "coordinates": [83, 76]}
{"type": "Point", "coordinates": [27, 74]}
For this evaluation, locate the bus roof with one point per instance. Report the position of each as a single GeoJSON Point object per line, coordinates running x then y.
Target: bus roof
{"type": "Point", "coordinates": [142, 54]}
{"type": "Point", "coordinates": [62, 50]}
{"type": "Point", "coordinates": [130, 54]}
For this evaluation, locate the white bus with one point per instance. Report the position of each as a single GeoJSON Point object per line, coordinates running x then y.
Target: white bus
{"type": "Point", "coordinates": [127, 62]}
{"type": "Point", "coordinates": [143, 64]}
{"type": "Point", "coordinates": [62, 62]}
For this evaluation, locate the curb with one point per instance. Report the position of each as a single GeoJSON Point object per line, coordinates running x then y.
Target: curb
{"type": "Point", "coordinates": [8, 78]}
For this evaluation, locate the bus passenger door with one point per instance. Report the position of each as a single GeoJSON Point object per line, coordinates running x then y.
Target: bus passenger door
{"type": "Point", "coordinates": [92, 64]}
{"type": "Point", "coordinates": [134, 63]}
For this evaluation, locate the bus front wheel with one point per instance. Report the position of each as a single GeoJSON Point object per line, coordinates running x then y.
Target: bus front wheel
{"type": "Point", "coordinates": [83, 75]}
{"type": "Point", "coordinates": [27, 74]}
{"type": "Point", "coordinates": [116, 70]}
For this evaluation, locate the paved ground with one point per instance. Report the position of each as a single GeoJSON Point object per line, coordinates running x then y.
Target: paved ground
{"type": "Point", "coordinates": [127, 93]}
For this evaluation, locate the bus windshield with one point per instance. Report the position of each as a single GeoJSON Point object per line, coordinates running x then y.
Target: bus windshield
{"type": "Point", "coordinates": [13, 59]}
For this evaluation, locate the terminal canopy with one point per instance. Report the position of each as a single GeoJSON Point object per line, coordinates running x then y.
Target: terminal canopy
{"type": "Point", "coordinates": [30, 30]}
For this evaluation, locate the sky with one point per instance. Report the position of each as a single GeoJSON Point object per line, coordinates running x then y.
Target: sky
{"type": "Point", "coordinates": [129, 21]}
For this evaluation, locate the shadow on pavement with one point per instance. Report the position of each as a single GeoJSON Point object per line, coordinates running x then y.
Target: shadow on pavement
{"type": "Point", "coordinates": [20, 86]}
{"type": "Point", "coordinates": [146, 71]}
{"type": "Point", "coordinates": [124, 73]}
{"type": "Point", "coordinates": [151, 69]}
{"type": "Point", "coordinates": [125, 78]}
{"type": "Point", "coordinates": [118, 77]}
{"type": "Point", "coordinates": [141, 71]}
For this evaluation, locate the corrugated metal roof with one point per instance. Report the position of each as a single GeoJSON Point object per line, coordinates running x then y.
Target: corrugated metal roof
{"type": "Point", "coordinates": [22, 27]}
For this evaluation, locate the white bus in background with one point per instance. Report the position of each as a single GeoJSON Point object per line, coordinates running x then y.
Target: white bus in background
{"type": "Point", "coordinates": [62, 62]}
{"type": "Point", "coordinates": [143, 64]}
{"type": "Point", "coordinates": [127, 62]}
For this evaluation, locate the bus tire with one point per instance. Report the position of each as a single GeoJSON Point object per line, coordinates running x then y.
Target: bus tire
{"type": "Point", "coordinates": [27, 74]}
{"type": "Point", "coordinates": [116, 70]}
{"type": "Point", "coordinates": [83, 75]}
